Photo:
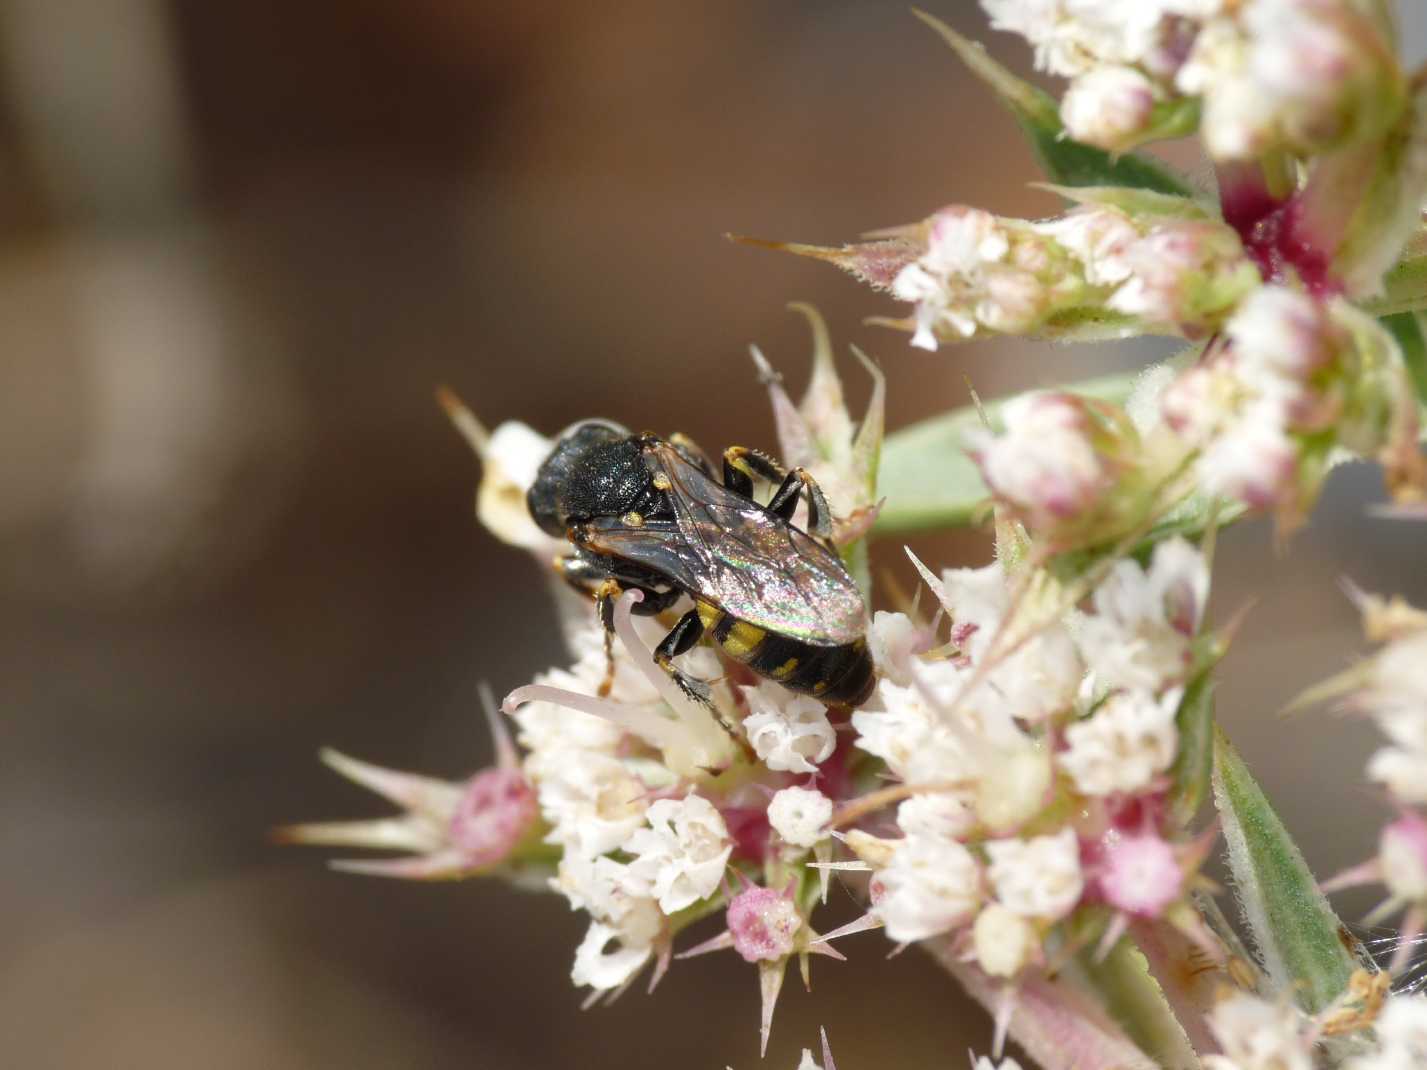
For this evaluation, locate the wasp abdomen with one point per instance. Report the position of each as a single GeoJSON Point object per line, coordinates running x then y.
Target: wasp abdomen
{"type": "Point", "coordinates": [841, 675]}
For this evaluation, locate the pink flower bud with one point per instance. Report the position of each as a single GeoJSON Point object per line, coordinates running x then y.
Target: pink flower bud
{"type": "Point", "coordinates": [493, 815]}
{"type": "Point", "coordinates": [763, 924]}
{"type": "Point", "coordinates": [1139, 874]}
{"type": "Point", "coordinates": [1054, 463]}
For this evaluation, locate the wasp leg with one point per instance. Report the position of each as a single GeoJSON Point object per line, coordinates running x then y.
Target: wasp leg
{"type": "Point", "coordinates": [785, 501]}
{"type": "Point", "coordinates": [606, 595]}
{"type": "Point", "coordinates": [689, 450]}
{"type": "Point", "coordinates": [587, 577]}
{"type": "Point", "coordinates": [594, 579]}
{"type": "Point", "coordinates": [680, 640]}
{"type": "Point", "coordinates": [580, 573]}
{"type": "Point", "coordinates": [742, 465]}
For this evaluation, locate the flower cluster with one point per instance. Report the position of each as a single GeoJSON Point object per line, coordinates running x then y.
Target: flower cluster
{"type": "Point", "coordinates": [1300, 76]}
{"type": "Point", "coordinates": [1293, 379]}
{"type": "Point", "coordinates": [1391, 688]}
{"type": "Point", "coordinates": [1034, 750]}
{"type": "Point", "coordinates": [1165, 268]}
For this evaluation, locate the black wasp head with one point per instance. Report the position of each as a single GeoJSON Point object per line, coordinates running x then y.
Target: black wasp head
{"type": "Point", "coordinates": [596, 469]}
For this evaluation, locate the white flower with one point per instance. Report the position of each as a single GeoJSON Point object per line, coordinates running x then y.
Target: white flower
{"type": "Point", "coordinates": [1073, 36]}
{"type": "Point", "coordinates": [1235, 115]}
{"type": "Point", "coordinates": [800, 815]}
{"type": "Point", "coordinates": [509, 460]}
{"type": "Point", "coordinates": [1402, 858]}
{"type": "Point", "coordinates": [1402, 1032]}
{"type": "Point", "coordinates": [1044, 463]}
{"type": "Point", "coordinates": [963, 240]}
{"type": "Point", "coordinates": [1139, 635]}
{"type": "Point", "coordinates": [1254, 462]}
{"type": "Point", "coordinates": [1005, 773]}
{"type": "Point", "coordinates": [808, 1062]}
{"type": "Point", "coordinates": [605, 888]}
{"type": "Point", "coordinates": [1406, 726]}
{"type": "Point", "coordinates": [683, 853]}
{"type": "Point", "coordinates": [911, 737]}
{"type": "Point", "coordinates": [592, 801]}
{"type": "Point", "coordinates": [1280, 332]}
{"type": "Point", "coordinates": [1402, 772]}
{"type": "Point", "coordinates": [1397, 694]}
{"type": "Point", "coordinates": [963, 281]}
{"type": "Point", "coordinates": [1038, 877]}
{"type": "Point", "coordinates": [790, 733]}
{"type": "Point", "coordinates": [1123, 745]}
{"type": "Point", "coordinates": [1298, 74]}
{"type": "Point", "coordinates": [1185, 274]}
{"type": "Point", "coordinates": [603, 969]}
{"type": "Point", "coordinates": [894, 641]}
{"type": "Point", "coordinates": [1200, 401]}
{"type": "Point", "coordinates": [1257, 1035]}
{"type": "Point", "coordinates": [936, 813]}
{"type": "Point", "coordinates": [1109, 107]}
{"type": "Point", "coordinates": [1039, 679]}
{"type": "Point", "coordinates": [1099, 238]}
{"type": "Point", "coordinates": [1004, 941]}
{"type": "Point", "coordinates": [930, 886]}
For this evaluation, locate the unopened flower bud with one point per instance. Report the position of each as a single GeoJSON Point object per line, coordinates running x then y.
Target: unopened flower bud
{"type": "Point", "coordinates": [1186, 274]}
{"type": "Point", "coordinates": [1044, 464]}
{"type": "Point", "coordinates": [1018, 790]}
{"type": "Point", "coordinates": [1109, 107]}
{"type": "Point", "coordinates": [800, 815]}
{"type": "Point", "coordinates": [1254, 462]}
{"type": "Point", "coordinates": [763, 924]}
{"type": "Point", "coordinates": [874, 850]}
{"type": "Point", "coordinates": [1004, 941]}
{"type": "Point", "coordinates": [1059, 461]}
{"type": "Point", "coordinates": [496, 810]}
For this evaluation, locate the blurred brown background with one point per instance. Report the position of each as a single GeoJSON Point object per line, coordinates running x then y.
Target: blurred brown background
{"type": "Point", "coordinates": [242, 242]}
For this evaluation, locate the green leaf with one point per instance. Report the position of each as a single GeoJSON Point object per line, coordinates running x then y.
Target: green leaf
{"type": "Point", "coordinates": [1406, 327]}
{"type": "Point", "coordinates": [1064, 160]}
{"type": "Point", "coordinates": [1137, 1004]}
{"type": "Point", "coordinates": [1293, 927]}
{"type": "Point", "coordinates": [1194, 762]}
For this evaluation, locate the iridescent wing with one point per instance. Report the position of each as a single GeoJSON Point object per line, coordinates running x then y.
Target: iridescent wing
{"type": "Point", "coordinates": [734, 553]}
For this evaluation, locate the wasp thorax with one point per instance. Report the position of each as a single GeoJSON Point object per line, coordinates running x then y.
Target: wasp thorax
{"type": "Point", "coordinates": [594, 470]}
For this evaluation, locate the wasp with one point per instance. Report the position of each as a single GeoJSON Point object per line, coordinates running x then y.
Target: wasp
{"type": "Point", "coordinates": [646, 513]}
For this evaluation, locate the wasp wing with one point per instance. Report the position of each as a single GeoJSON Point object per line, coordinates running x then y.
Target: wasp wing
{"type": "Point", "coordinates": [734, 553]}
